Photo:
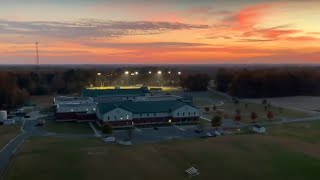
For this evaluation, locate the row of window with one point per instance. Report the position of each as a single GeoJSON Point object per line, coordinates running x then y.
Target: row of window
{"type": "Point", "coordinates": [178, 114]}
{"type": "Point", "coordinates": [183, 114]}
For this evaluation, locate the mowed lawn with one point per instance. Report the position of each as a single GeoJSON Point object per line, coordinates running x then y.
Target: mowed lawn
{"type": "Point", "coordinates": [229, 157]}
{"type": "Point", "coordinates": [67, 127]}
{"type": "Point", "coordinates": [7, 133]}
{"type": "Point", "coordinates": [304, 131]}
{"type": "Point", "coordinates": [230, 109]}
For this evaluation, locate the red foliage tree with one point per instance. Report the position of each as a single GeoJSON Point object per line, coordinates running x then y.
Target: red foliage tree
{"type": "Point", "coordinates": [254, 116]}
{"type": "Point", "coordinates": [270, 115]}
{"type": "Point", "coordinates": [237, 117]}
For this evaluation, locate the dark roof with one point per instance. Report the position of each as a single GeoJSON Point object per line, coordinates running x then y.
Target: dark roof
{"type": "Point", "coordinates": [113, 92]}
{"type": "Point", "coordinates": [143, 106]}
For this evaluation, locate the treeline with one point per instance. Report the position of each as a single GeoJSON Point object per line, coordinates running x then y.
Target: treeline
{"type": "Point", "coordinates": [196, 82]}
{"type": "Point", "coordinates": [275, 82]}
{"type": "Point", "coordinates": [11, 94]}
{"type": "Point", "coordinates": [16, 87]}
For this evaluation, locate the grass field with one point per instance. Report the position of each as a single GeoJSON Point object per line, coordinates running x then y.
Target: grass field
{"type": "Point", "coordinates": [7, 133]}
{"type": "Point", "coordinates": [275, 156]}
{"type": "Point", "coordinates": [68, 127]}
{"type": "Point", "coordinates": [304, 131]}
{"type": "Point", "coordinates": [229, 109]}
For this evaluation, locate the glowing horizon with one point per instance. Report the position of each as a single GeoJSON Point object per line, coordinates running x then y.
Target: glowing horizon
{"type": "Point", "coordinates": [166, 32]}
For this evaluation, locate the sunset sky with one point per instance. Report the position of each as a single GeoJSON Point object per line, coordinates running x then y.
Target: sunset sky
{"type": "Point", "coordinates": [155, 32]}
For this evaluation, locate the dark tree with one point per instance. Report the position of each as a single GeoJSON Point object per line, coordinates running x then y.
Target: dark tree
{"type": "Point", "coordinates": [107, 128]}
{"type": "Point", "coordinates": [197, 82]}
{"type": "Point", "coordinates": [216, 121]}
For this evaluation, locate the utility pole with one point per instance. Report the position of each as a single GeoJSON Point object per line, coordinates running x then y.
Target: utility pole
{"type": "Point", "coordinates": [37, 58]}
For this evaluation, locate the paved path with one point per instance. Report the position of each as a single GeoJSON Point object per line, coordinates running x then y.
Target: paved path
{"type": "Point", "coordinates": [96, 132]}
{"type": "Point", "coordinates": [11, 148]}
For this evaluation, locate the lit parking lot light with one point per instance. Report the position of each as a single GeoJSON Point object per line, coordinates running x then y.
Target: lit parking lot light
{"type": "Point", "coordinates": [99, 74]}
{"type": "Point", "coordinates": [150, 72]}
{"type": "Point", "coordinates": [159, 72]}
{"type": "Point", "coordinates": [136, 72]}
{"type": "Point", "coordinates": [132, 74]}
{"type": "Point", "coordinates": [127, 72]}
{"type": "Point", "coordinates": [179, 73]}
{"type": "Point", "coordinates": [169, 72]}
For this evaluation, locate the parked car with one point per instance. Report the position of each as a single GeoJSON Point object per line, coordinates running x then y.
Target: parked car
{"type": "Point", "coordinates": [197, 131]}
{"type": "Point", "coordinates": [39, 124]}
{"type": "Point", "coordinates": [26, 116]}
{"type": "Point", "coordinates": [110, 139]}
{"type": "Point", "coordinates": [155, 128]}
{"type": "Point", "coordinates": [217, 133]}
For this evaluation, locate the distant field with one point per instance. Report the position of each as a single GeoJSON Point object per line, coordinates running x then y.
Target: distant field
{"type": "Point", "coordinates": [68, 127]}
{"type": "Point", "coordinates": [7, 133]}
{"type": "Point", "coordinates": [301, 102]}
{"type": "Point", "coordinates": [42, 101]}
{"type": "Point", "coordinates": [230, 108]}
{"type": "Point", "coordinates": [273, 156]}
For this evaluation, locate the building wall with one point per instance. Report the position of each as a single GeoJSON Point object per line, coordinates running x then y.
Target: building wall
{"type": "Point", "coordinates": [74, 116]}
{"type": "Point", "coordinates": [151, 115]}
{"type": "Point", "coordinates": [90, 108]}
{"type": "Point", "coordinates": [117, 114]}
{"type": "Point", "coordinates": [186, 111]}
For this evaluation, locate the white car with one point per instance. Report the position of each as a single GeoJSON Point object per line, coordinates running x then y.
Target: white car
{"type": "Point", "coordinates": [209, 135]}
{"type": "Point", "coordinates": [110, 139]}
{"type": "Point", "coordinates": [217, 133]}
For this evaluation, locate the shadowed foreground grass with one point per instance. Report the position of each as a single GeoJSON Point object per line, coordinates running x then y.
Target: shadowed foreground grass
{"type": "Point", "coordinates": [229, 157]}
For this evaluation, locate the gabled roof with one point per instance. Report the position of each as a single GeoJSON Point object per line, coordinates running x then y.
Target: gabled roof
{"type": "Point", "coordinates": [113, 92]}
{"type": "Point", "coordinates": [137, 107]}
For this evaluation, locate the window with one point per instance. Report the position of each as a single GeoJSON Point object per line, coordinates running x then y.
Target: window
{"type": "Point", "coordinates": [194, 113]}
{"type": "Point", "coordinates": [154, 114]}
{"type": "Point", "coordinates": [108, 118]}
{"type": "Point", "coordinates": [115, 117]}
{"type": "Point", "coordinates": [178, 114]}
{"type": "Point", "coordinates": [189, 113]}
{"type": "Point", "coordinates": [182, 114]}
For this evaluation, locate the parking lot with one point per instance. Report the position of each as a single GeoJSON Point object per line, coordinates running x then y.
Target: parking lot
{"type": "Point", "coordinates": [148, 135]}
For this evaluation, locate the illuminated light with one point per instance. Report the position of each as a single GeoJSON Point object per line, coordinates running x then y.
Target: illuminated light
{"type": "Point", "coordinates": [169, 121]}
{"type": "Point", "coordinates": [132, 123]}
{"type": "Point", "coordinates": [169, 72]}
{"type": "Point", "coordinates": [94, 109]}
{"type": "Point", "coordinates": [127, 72]}
{"type": "Point", "coordinates": [99, 74]}
{"type": "Point", "coordinates": [87, 109]}
{"type": "Point", "coordinates": [71, 110]}
{"type": "Point", "coordinates": [159, 72]}
{"type": "Point", "coordinates": [150, 72]}
{"type": "Point", "coordinates": [127, 116]}
{"type": "Point", "coordinates": [132, 74]}
{"type": "Point", "coordinates": [136, 72]}
{"type": "Point", "coordinates": [179, 73]}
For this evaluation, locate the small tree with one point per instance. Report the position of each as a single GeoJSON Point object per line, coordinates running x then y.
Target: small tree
{"type": "Point", "coordinates": [238, 117]}
{"type": "Point", "coordinates": [270, 115]}
{"type": "Point", "coordinates": [216, 121]}
{"type": "Point", "coordinates": [107, 128]}
{"type": "Point", "coordinates": [214, 108]}
{"type": "Point", "coordinates": [207, 109]}
{"type": "Point", "coordinates": [254, 116]}
{"type": "Point", "coordinates": [236, 101]}
{"type": "Point", "coordinates": [264, 102]}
